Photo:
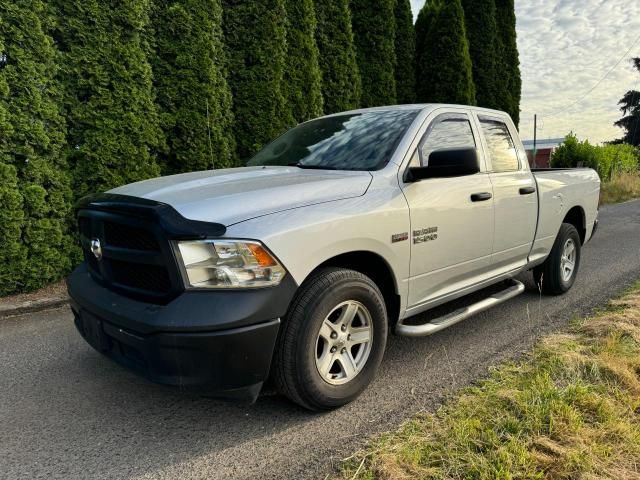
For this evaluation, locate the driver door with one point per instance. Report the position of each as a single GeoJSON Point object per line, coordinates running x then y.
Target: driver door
{"type": "Point", "coordinates": [451, 218]}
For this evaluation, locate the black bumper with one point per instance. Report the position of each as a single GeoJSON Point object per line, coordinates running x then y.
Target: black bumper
{"type": "Point", "coordinates": [219, 342]}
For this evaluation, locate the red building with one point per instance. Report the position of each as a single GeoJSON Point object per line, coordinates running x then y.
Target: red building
{"type": "Point", "coordinates": [544, 150]}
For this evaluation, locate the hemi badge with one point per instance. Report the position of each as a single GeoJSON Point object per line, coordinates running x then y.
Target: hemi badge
{"type": "Point", "coordinates": [399, 237]}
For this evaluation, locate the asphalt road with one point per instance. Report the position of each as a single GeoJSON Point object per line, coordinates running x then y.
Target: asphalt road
{"type": "Point", "coordinates": [67, 412]}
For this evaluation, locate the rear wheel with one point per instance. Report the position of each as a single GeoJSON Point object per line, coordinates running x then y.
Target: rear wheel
{"type": "Point", "coordinates": [332, 340]}
{"type": "Point", "coordinates": [558, 273]}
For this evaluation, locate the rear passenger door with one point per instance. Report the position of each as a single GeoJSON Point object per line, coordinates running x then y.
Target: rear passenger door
{"type": "Point", "coordinates": [515, 197]}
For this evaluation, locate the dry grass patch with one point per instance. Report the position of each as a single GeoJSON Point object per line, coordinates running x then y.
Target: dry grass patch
{"type": "Point", "coordinates": [620, 188]}
{"type": "Point", "coordinates": [569, 411]}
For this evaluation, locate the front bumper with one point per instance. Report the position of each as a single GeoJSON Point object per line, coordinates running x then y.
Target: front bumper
{"type": "Point", "coordinates": [219, 342]}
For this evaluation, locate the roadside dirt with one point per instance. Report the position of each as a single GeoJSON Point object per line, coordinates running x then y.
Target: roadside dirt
{"type": "Point", "coordinates": [48, 297]}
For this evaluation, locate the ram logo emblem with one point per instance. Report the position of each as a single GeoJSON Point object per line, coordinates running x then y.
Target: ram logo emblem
{"type": "Point", "coordinates": [96, 248]}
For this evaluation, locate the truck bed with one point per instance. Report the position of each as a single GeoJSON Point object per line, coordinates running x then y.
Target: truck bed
{"type": "Point", "coordinates": [560, 190]}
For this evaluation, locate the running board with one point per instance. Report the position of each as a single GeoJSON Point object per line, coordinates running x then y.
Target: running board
{"type": "Point", "coordinates": [456, 316]}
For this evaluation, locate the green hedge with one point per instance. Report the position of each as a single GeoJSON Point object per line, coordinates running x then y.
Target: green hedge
{"type": "Point", "coordinates": [113, 125]}
{"type": "Point", "coordinates": [405, 46]}
{"type": "Point", "coordinates": [508, 64]}
{"type": "Point", "coordinates": [482, 34]}
{"type": "Point", "coordinates": [36, 192]}
{"type": "Point", "coordinates": [12, 250]}
{"type": "Point", "coordinates": [192, 93]}
{"type": "Point", "coordinates": [443, 64]}
{"type": "Point", "coordinates": [97, 94]}
{"type": "Point", "coordinates": [255, 34]}
{"type": "Point", "coordinates": [302, 77]}
{"type": "Point", "coordinates": [607, 160]}
{"type": "Point", "coordinates": [374, 34]}
{"type": "Point", "coordinates": [341, 84]}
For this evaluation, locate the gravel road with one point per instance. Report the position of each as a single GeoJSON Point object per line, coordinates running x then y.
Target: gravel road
{"type": "Point", "coordinates": [67, 412]}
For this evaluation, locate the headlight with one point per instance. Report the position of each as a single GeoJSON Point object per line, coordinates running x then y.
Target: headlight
{"type": "Point", "coordinates": [228, 264]}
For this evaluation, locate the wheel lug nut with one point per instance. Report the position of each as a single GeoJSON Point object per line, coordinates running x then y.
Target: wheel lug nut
{"type": "Point", "coordinates": [343, 328]}
{"type": "Point", "coordinates": [349, 337]}
{"type": "Point", "coordinates": [344, 350]}
{"type": "Point", "coordinates": [334, 335]}
{"type": "Point", "coordinates": [333, 349]}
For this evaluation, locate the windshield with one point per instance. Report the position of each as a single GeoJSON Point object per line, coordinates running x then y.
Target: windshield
{"type": "Point", "coordinates": [357, 141]}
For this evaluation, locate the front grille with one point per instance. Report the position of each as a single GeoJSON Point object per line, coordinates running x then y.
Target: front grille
{"type": "Point", "coordinates": [152, 278]}
{"type": "Point", "coordinates": [127, 236]}
{"type": "Point", "coordinates": [137, 260]}
{"type": "Point", "coordinates": [84, 226]}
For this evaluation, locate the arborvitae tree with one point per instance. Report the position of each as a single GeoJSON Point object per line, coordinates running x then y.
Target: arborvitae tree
{"type": "Point", "coordinates": [255, 36]}
{"type": "Point", "coordinates": [302, 71]}
{"type": "Point", "coordinates": [427, 14]}
{"type": "Point", "coordinates": [630, 106]}
{"type": "Point", "coordinates": [12, 251]}
{"type": "Point", "coordinates": [443, 65]}
{"type": "Point", "coordinates": [482, 34]}
{"type": "Point", "coordinates": [113, 127]}
{"type": "Point", "coordinates": [508, 80]}
{"type": "Point", "coordinates": [192, 94]}
{"type": "Point", "coordinates": [374, 34]}
{"type": "Point", "coordinates": [31, 141]}
{"type": "Point", "coordinates": [341, 84]}
{"type": "Point", "coordinates": [405, 44]}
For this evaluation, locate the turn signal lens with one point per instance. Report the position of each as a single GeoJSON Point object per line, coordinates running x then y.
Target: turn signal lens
{"type": "Point", "coordinates": [261, 255]}
{"type": "Point", "coordinates": [228, 264]}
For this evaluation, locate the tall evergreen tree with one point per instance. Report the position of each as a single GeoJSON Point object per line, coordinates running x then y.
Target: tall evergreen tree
{"type": "Point", "coordinates": [31, 142]}
{"type": "Point", "coordinates": [302, 71]}
{"type": "Point", "coordinates": [508, 80]}
{"type": "Point", "coordinates": [482, 34]}
{"type": "Point", "coordinates": [113, 127]}
{"type": "Point", "coordinates": [405, 46]}
{"type": "Point", "coordinates": [12, 251]}
{"type": "Point", "coordinates": [255, 36]}
{"type": "Point", "coordinates": [341, 84]}
{"type": "Point", "coordinates": [443, 64]}
{"type": "Point", "coordinates": [374, 34]}
{"type": "Point", "coordinates": [193, 97]}
{"type": "Point", "coordinates": [630, 106]}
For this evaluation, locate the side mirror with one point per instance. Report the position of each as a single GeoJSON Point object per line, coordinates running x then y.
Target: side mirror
{"type": "Point", "coordinates": [447, 163]}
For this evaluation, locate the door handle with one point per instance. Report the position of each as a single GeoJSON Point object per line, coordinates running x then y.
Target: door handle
{"type": "Point", "coordinates": [527, 190]}
{"type": "Point", "coordinates": [481, 197]}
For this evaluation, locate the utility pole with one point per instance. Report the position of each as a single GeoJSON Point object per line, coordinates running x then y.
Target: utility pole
{"type": "Point", "coordinates": [535, 139]}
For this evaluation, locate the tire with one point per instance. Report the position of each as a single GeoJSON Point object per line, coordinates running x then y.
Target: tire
{"type": "Point", "coordinates": [551, 277]}
{"type": "Point", "coordinates": [331, 295]}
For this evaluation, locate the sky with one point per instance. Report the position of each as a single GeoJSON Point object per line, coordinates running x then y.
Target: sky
{"type": "Point", "coordinates": [566, 48]}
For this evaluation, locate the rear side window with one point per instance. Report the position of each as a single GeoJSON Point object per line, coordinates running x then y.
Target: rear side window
{"type": "Point", "coordinates": [502, 150]}
{"type": "Point", "coordinates": [448, 131]}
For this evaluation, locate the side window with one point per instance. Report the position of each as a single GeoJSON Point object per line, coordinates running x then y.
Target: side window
{"type": "Point", "coordinates": [502, 150]}
{"type": "Point", "coordinates": [447, 131]}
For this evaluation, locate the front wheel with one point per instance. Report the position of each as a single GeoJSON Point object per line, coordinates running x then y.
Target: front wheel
{"type": "Point", "coordinates": [332, 340]}
{"type": "Point", "coordinates": [557, 274]}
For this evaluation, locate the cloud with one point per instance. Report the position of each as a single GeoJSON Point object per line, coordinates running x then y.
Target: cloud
{"type": "Point", "coordinates": [566, 47]}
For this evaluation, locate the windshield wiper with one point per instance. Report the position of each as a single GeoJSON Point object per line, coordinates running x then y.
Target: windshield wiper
{"type": "Point", "coordinates": [311, 167]}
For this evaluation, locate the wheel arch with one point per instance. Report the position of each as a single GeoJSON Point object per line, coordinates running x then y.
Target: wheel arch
{"type": "Point", "coordinates": [576, 216]}
{"type": "Point", "coordinates": [375, 267]}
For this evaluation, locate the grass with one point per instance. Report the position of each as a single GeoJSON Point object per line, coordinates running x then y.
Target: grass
{"type": "Point", "coordinates": [570, 410]}
{"type": "Point", "coordinates": [620, 188]}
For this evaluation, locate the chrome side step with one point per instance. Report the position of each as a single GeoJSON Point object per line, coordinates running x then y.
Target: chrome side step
{"type": "Point", "coordinates": [456, 316]}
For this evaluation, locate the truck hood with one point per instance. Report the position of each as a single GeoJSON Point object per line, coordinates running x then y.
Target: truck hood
{"type": "Point", "coordinates": [233, 195]}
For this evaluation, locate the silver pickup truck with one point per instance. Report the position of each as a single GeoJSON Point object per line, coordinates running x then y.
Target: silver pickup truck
{"type": "Point", "coordinates": [297, 266]}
